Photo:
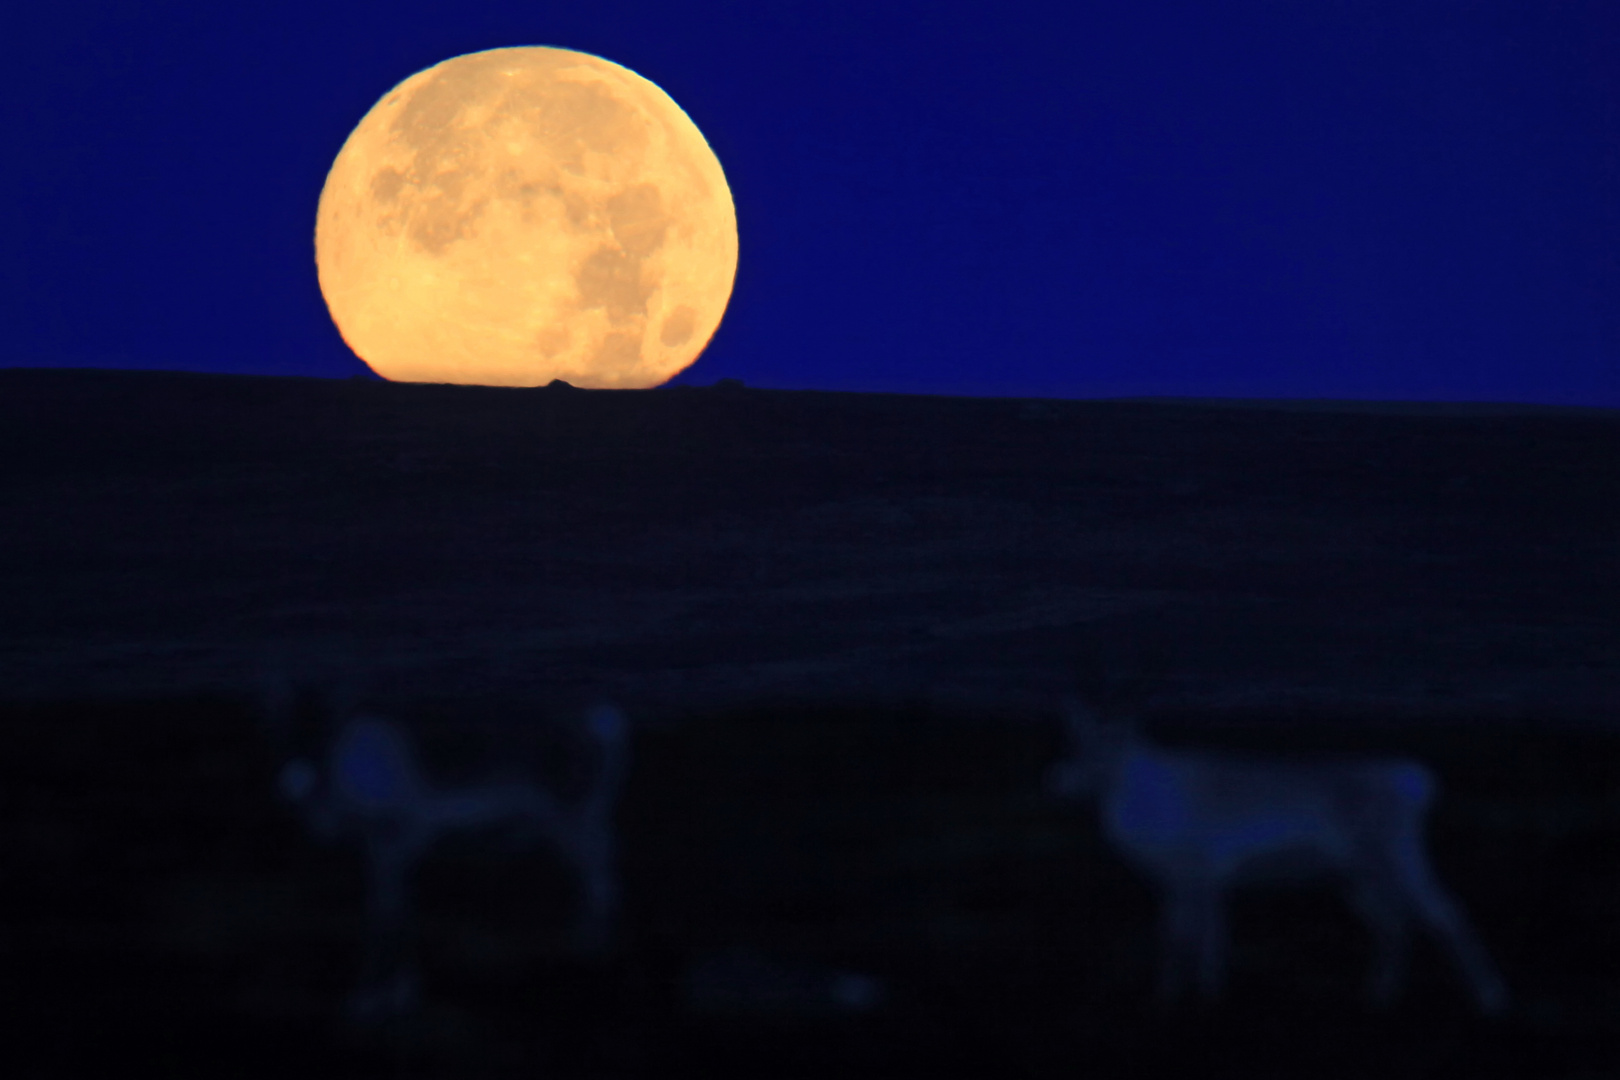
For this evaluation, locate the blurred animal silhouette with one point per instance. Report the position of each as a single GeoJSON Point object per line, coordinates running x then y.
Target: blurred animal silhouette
{"type": "Point", "coordinates": [370, 788]}
{"type": "Point", "coordinates": [1199, 824]}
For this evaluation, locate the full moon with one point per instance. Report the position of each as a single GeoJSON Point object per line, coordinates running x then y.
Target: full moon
{"type": "Point", "coordinates": [515, 216]}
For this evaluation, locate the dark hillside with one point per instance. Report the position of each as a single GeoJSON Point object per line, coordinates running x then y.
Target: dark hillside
{"type": "Point", "coordinates": [711, 546]}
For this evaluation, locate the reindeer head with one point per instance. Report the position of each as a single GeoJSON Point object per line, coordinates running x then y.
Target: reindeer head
{"type": "Point", "coordinates": [1098, 720]}
{"type": "Point", "coordinates": [1093, 747]}
{"type": "Point", "coordinates": [303, 706]}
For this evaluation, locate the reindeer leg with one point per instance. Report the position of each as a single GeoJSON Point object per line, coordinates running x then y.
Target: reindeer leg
{"type": "Point", "coordinates": [590, 850]}
{"type": "Point", "coordinates": [388, 984]}
{"type": "Point", "coordinates": [1212, 946]}
{"type": "Point", "coordinates": [1383, 910]}
{"type": "Point", "coordinates": [593, 833]}
{"type": "Point", "coordinates": [1446, 921]}
{"type": "Point", "coordinates": [1182, 940]}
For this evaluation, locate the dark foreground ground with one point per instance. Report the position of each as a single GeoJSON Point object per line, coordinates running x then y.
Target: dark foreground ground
{"type": "Point", "coordinates": [1430, 580]}
{"type": "Point", "coordinates": [161, 909]}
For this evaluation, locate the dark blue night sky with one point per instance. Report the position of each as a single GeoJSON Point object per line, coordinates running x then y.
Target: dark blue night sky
{"type": "Point", "coordinates": [1324, 198]}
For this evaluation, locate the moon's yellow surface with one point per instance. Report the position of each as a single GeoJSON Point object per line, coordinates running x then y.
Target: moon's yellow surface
{"type": "Point", "coordinates": [521, 215]}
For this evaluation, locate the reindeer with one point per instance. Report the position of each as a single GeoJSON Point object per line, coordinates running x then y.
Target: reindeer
{"type": "Point", "coordinates": [370, 788]}
{"type": "Point", "coordinates": [1199, 824]}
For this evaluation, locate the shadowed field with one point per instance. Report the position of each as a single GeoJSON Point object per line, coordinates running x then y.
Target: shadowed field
{"type": "Point", "coordinates": [917, 581]}
{"type": "Point", "coordinates": [704, 549]}
{"type": "Point", "coordinates": [157, 896]}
